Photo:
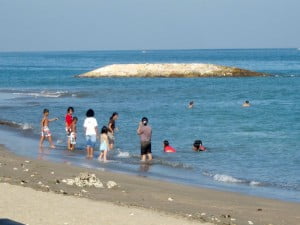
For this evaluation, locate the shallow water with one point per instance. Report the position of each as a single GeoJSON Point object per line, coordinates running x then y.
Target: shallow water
{"type": "Point", "coordinates": [252, 150]}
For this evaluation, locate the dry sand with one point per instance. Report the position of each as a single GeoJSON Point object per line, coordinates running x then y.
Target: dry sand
{"type": "Point", "coordinates": [29, 206]}
{"type": "Point", "coordinates": [135, 200]}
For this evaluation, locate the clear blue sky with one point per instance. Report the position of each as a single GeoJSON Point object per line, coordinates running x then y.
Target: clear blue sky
{"type": "Point", "coordinates": [37, 25]}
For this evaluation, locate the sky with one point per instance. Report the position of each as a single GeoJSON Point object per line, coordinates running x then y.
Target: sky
{"type": "Point", "coordinates": [71, 25]}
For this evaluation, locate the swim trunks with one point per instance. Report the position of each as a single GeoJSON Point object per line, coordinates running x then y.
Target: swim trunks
{"type": "Point", "coordinates": [145, 147]}
{"type": "Point", "coordinates": [72, 138]}
{"type": "Point", "coordinates": [46, 132]}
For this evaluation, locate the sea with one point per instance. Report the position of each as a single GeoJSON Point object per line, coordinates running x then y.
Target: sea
{"type": "Point", "coordinates": [253, 151]}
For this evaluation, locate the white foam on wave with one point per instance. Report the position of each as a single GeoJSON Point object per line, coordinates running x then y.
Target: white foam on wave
{"type": "Point", "coordinates": [45, 94]}
{"type": "Point", "coordinates": [13, 124]}
{"type": "Point", "coordinates": [229, 179]}
{"type": "Point", "coordinates": [226, 178]}
{"type": "Point", "coordinates": [123, 154]}
{"type": "Point", "coordinates": [26, 126]}
{"type": "Point", "coordinates": [254, 183]}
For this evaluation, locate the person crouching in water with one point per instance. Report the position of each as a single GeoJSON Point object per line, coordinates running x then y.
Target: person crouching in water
{"type": "Point", "coordinates": [167, 147]}
{"type": "Point", "coordinates": [73, 135]}
{"type": "Point", "coordinates": [145, 133]}
{"type": "Point", "coordinates": [104, 144]}
{"type": "Point", "coordinates": [198, 147]}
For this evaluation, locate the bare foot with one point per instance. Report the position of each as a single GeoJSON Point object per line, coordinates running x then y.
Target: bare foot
{"type": "Point", "coordinates": [52, 146]}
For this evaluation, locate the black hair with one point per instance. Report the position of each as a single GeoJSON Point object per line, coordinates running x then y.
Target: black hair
{"type": "Point", "coordinates": [45, 111]}
{"type": "Point", "coordinates": [90, 113]}
{"type": "Point", "coordinates": [166, 143]}
{"type": "Point", "coordinates": [197, 144]}
{"type": "Point", "coordinates": [70, 108]}
{"type": "Point", "coordinates": [191, 102]}
{"type": "Point", "coordinates": [145, 121]}
{"type": "Point", "coordinates": [114, 114]}
{"type": "Point", "coordinates": [247, 102]}
{"type": "Point", "coordinates": [75, 118]}
{"type": "Point", "coordinates": [104, 130]}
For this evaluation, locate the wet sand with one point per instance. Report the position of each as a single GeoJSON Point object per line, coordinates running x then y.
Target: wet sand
{"type": "Point", "coordinates": [134, 200]}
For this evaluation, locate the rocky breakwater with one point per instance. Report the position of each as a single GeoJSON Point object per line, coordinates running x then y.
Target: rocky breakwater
{"type": "Point", "coordinates": [169, 70]}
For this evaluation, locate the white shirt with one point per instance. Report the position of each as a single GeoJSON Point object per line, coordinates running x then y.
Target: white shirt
{"type": "Point", "coordinates": [90, 123]}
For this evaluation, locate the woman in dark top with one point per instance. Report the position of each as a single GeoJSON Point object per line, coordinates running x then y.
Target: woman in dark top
{"type": "Point", "coordinates": [111, 129]}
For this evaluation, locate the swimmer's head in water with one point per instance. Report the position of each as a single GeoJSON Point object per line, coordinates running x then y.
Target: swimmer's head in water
{"type": "Point", "coordinates": [197, 144]}
{"type": "Point", "coordinates": [247, 102]}
{"type": "Point", "coordinates": [166, 143]}
{"type": "Point", "coordinates": [145, 121]}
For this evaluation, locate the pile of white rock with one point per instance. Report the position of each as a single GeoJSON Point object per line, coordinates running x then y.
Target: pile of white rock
{"type": "Point", "coordinates": [88, 180]}
{"type": "Point", "coordinates": [169, 70]}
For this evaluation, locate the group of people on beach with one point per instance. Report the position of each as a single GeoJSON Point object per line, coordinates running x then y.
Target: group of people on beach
{"type": "Point", "coordinates": [107, 134]}
{"type": "Point", "coordinates": [107, 138]}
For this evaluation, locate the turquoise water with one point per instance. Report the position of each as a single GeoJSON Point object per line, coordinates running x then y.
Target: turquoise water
{"type": "Point", "coordinates": [250, 150]}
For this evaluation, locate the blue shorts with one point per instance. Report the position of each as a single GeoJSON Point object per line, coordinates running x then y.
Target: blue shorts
{"type": "Point", "coordinates": [90, 140]}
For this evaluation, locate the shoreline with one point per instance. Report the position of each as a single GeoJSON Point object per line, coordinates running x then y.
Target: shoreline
{"type": "Point", "coordinates": [196, 204]}
{"type": "Point", "coordinates": [142, 169]}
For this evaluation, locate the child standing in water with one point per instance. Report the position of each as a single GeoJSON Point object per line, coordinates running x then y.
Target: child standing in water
{"type": "Point", "coordinates": [73, 134]}
{"type": "Point", "coordinates": [91, 131]}
{"type": "Point", "coordinates": [68, 123]}
{"type": "Point", "coordinates": [104, 144]}
{"type": "Point", "coordinates": [45, 131]}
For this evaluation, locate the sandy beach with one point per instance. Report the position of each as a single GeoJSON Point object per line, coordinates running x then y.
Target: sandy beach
{"type": "Point", "coordinates": [34, 191]}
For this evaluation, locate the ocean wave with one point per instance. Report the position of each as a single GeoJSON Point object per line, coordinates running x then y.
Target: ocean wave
{"type": "Point", "coordinates": [44, 93]}
{"type": "Point", "coordinates": [12, 124]}
{"type": "Point", "coordinates": [123, 154]}
{"type": "Point", "coordinates": [155, 161]}
{"type": "Point", "coordinates": [164, 162]}
{"type": "Point", "coordinates": [224, 178]}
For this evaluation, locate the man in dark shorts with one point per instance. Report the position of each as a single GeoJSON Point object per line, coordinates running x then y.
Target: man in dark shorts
{"type": "Point", "coordinates": [145, 133]}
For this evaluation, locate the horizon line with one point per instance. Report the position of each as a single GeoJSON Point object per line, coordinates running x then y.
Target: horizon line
{"type": "Point", "coordinates": [120, 50]}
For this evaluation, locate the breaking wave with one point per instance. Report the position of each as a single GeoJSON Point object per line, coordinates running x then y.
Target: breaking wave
{"type": "Point", "coordinates": [224, 178]}
{"type": "Point", "coordinates": [44, 93]}
{"type": "Point", "coordinates": [12, 124]}
{"type": "Point", "coordinates": [123, 154]}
